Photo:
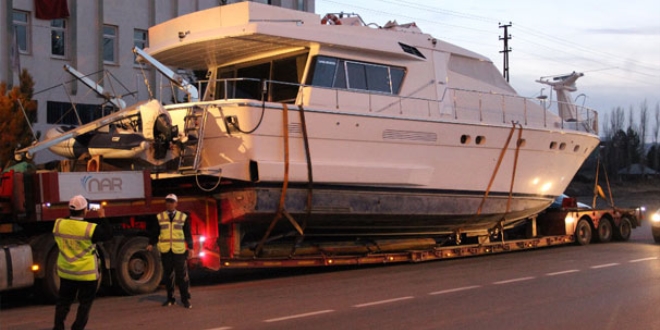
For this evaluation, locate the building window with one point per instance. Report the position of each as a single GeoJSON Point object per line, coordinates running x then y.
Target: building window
{"type": "Point", "coordinates": [139, 40]}
{"type": "Point", "coordinates": [58, 37]}
{"type": "Point", "coordinates": [110, 44]}
{"type": "Point", "coordinates": [22, 30]}
{"type": "Point", "coordinates": [63, 113]}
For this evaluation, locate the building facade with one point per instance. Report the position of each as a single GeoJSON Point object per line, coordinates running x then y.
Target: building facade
{"type": "Point", "coordinates": [96, 38]}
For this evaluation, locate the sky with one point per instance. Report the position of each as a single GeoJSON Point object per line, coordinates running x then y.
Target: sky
{"type": "Point", "coordinates": [616, 44]}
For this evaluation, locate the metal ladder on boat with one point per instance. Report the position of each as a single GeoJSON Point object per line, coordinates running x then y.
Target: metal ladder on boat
{"type": "Point", "coordinates": [192, 142]}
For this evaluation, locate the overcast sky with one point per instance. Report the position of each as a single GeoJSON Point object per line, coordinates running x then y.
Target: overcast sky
{"type": "Point", "coordinates": [616, 44]}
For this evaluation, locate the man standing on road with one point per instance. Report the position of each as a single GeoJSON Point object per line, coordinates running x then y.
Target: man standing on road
{"type": "Point", "coordinates": [77, 265]}
{"type": "Point", "coordinates": [174, 239]}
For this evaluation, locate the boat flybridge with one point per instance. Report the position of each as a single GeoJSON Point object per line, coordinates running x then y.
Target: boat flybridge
{"type": "Point", "coordinates": [359, 130]}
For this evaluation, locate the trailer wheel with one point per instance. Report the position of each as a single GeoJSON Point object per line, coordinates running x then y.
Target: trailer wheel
{"type": "Point", "coordinates": [138, 270]}
{"type": "Point", "coordinates": [50, 283]}
{"type": "Point", "coordinates": [656, 234]}
{"type": "Point", "coordinates": [624, 230]}
{"type": "Point", "coordinates": [604, 230]}
{"type": "Point", "coordinates": [583, 232]}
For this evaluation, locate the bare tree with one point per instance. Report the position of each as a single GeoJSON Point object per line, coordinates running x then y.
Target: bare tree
{"type": "Point", "coordinates": [615, 154]}
{"type": "Point", "coordinates": [616, 122]}
{"type": "Point", "coordinates": [631, 122]}
{"type": "Point", "coordinates": [656, 130]}
{"type": "Point", "coordinates": [643, 114]}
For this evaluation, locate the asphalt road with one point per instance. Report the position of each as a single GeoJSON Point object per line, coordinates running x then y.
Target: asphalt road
{"type": "Point", "coordinates": [601, 286]}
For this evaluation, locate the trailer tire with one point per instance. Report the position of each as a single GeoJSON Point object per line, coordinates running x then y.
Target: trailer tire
{"type": "Point", "coordinates": [604, 230]}
{"type": "Point", "coordinates": [50, 283]}
{"type": "Point", "coordinates": [656, 234]}
{"type": "Point", "coordinates": [138, 270]}
{"type": "Point", "coordinates": [624, 230]}
{"type": "Point", "coordinates": [583, 232]}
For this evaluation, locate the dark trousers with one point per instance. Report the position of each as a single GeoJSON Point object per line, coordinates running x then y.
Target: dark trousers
{"type": "Point", "coordinates": [85, 291]}
{"type": "Point", "coordinates": [176, 270]}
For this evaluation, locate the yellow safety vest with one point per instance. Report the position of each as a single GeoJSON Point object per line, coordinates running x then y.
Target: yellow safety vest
{"type": "Point", "coordinates": [171, 232]}
{"type": "Point", "coordinates": [77, 258]}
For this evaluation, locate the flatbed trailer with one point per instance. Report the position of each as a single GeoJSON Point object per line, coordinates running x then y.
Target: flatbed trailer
{"type": "Point", "coordinates": [436, 253]}
{"type": "Point", "coordinates": [30, 203]}
{"type": "Point", "coordinates": [591, 224]}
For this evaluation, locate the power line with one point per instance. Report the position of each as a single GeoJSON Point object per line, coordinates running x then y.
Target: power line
{"type": "Point", "coordinates": [573, 49]}
{"type": "Point", "coordinates": [531, 30]}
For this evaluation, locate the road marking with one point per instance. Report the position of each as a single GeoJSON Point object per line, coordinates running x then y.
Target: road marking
{"type": "Point", "coordinates": [644, 259]}
{"type": "Point", "coordinates": [455, 290]}
{"type": "Point", "coordinates": [383, 302]}
{"type": "Point", "coordinates": [605, 265]}
{"type": "Point", "coordinates": [515, 280]}
{"type": "Point", "coordinates": [562, 272]}
{"type": "Point", "coordinates": [221, 328]}
{"type": "Point", "coordinates": [284, 318]}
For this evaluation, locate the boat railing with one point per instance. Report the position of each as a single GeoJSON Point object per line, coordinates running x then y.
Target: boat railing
{"type": "Point", "coordinates": [455, 104]}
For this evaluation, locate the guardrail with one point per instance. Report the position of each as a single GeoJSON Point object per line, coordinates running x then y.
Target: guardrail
{"type": "Point", "coordinates": [455, 104]}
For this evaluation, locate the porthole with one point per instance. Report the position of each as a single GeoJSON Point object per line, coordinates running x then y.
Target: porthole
{"type": "Point", "coordinates": [480, 140]}
{"type": "Point", "coordinates": [576, 148]}
{"type": "Point", "coordinates": [553, 145]}
{"type": "Point", "coordinates": [465, 139]}
{"type": "Point", "coordinates": [562, 146]}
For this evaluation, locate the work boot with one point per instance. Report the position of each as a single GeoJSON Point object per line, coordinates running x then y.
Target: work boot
{"type": "Point", "coordinates": [169, 302]}
{"type": "Point", "coordinates": [187, 304]}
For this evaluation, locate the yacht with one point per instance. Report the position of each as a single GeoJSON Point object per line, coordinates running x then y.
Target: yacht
{"type": "Point", "coordinates": [327, 127]}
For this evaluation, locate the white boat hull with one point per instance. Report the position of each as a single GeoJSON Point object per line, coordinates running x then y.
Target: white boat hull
{"type": "Point", "coordinates": [402, 173]}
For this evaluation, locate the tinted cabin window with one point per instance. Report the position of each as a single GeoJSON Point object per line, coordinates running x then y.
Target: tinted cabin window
{"type": "Point", "coordinates": [396, 75]}
{"type": "Point", "coordinates": [357, 76]}
{"type": "Point", "coordinates": [288, 70]}
{"type": "Point", "coordinates": [378, 78]}
{"type": "Point", "coordinates": [249, 89]}
{"type": "Point", "coordinates": [334, 72]}
{"type": "Point", "coordinates": [284, 74]}
{"type": "Point", "coordinates": [324, 71]}
{"type": "Point", "coordinates": [340, 75]}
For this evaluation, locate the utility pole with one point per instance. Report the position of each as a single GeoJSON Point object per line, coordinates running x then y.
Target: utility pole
{"type": "Point", "coordinates": [507, 49]}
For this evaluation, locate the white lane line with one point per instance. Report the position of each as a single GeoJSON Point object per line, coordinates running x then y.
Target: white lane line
{"type": "Point", "coordinates": [455, 289]}
{"type": "Point", "coordinates": [297, 316]}
{"type": "Point", "coordinates": [644, 259]}
{"type": "Point", "coordinates": [383, 302]}
{"type": "Point", "coordinates": [605, 265]}
{"type": "Point", "coordinates": [562, 272]}
{"type": "Point", "coordinates": [515, 280]}
{"type": "Point", "coordinates": [221, 328]}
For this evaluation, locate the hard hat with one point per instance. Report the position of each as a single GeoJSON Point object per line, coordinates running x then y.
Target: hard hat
{"type": "Point", "coordinates": [171, 197]}
{"type": "Point", "coordinates": [77, 203]}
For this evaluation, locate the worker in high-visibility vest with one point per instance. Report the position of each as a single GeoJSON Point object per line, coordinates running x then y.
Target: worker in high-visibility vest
{"type": "Point", "coordinates": [77, 264]}
{"type": "Point", "coordinates": [173, 238]}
